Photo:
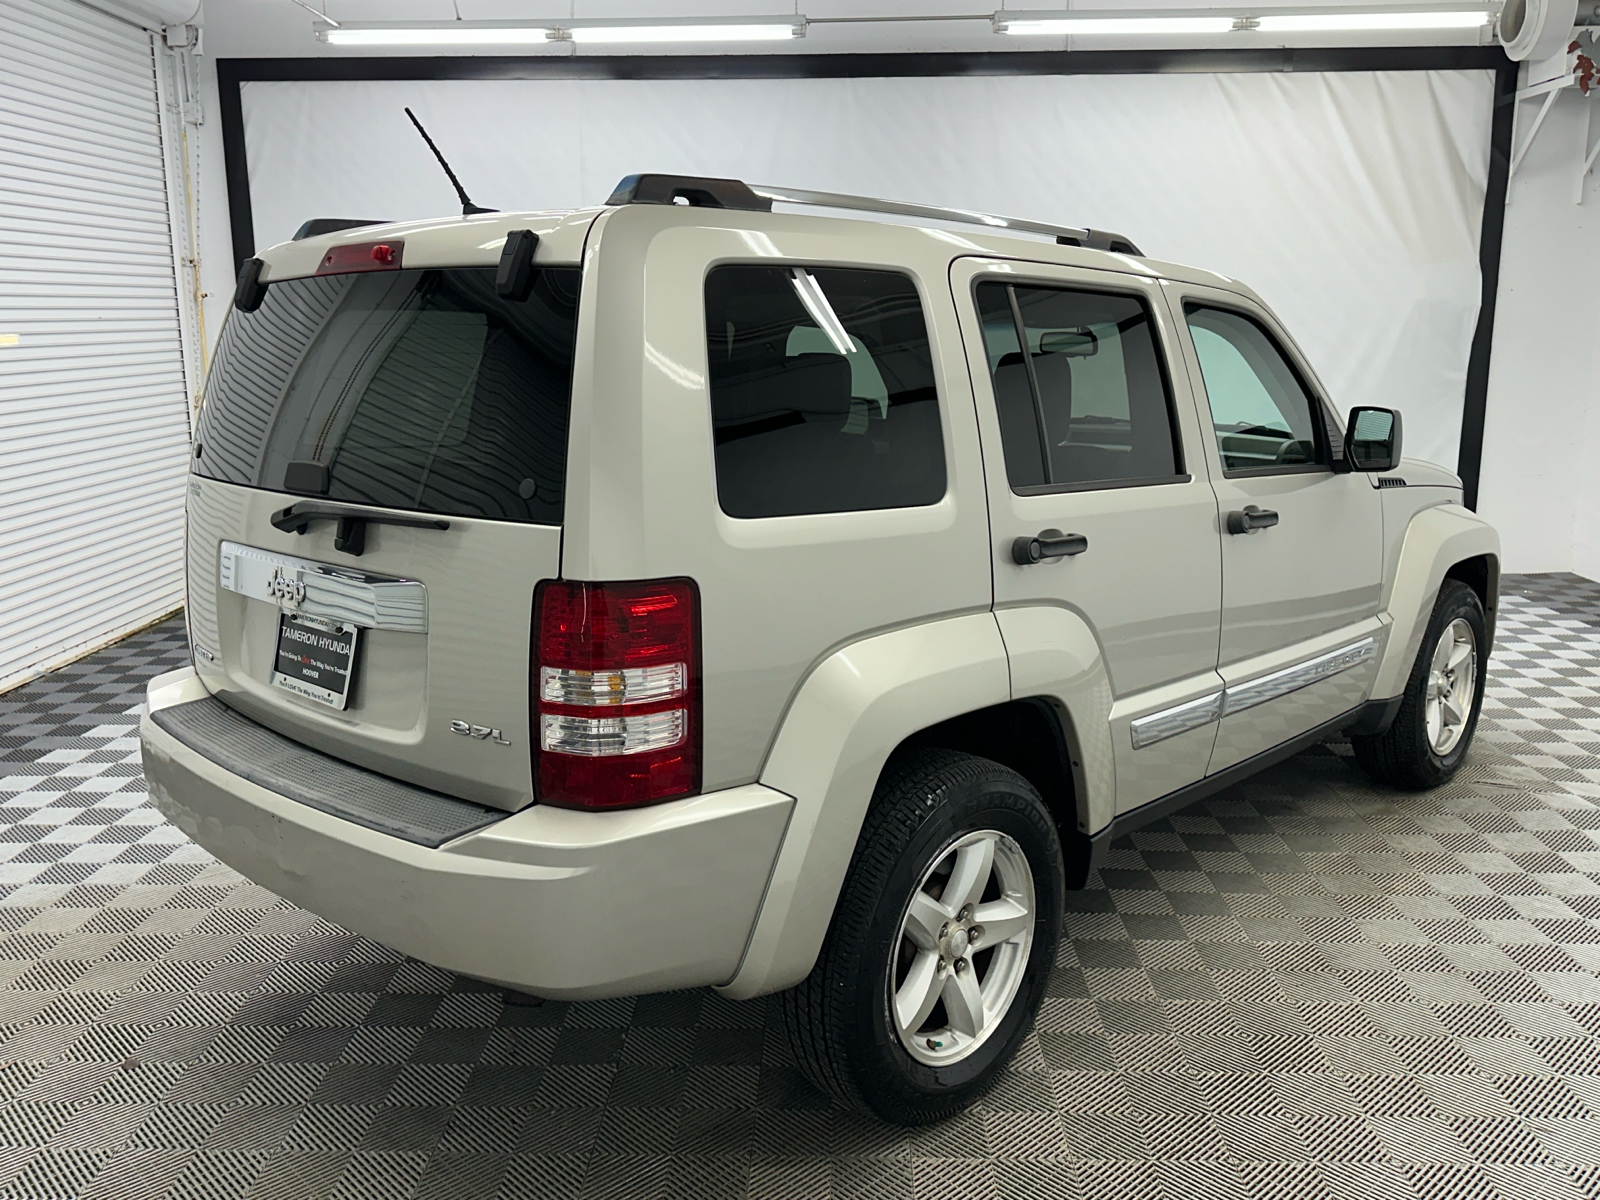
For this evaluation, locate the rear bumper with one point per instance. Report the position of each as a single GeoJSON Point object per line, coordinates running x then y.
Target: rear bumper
{"type": "Point", "coordinates": [561, 904]}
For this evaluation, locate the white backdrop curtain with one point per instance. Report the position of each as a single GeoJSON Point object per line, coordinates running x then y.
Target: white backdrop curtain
{"type": "Point", "coordinates": [1350, 201]}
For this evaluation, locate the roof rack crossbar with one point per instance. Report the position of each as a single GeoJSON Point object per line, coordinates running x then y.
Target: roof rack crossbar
{"type": "Point", "coordinates": [1066, 235]}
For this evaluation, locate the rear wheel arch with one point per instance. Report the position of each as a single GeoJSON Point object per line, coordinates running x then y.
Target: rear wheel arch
{"type": "Point", "coordinates": [1034, 737]}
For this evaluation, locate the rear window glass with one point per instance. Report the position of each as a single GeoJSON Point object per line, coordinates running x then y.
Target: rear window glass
{"type": "Point", "coordinates": [822, 391]}
{"type": "Point", "coordinates": [418, 390]}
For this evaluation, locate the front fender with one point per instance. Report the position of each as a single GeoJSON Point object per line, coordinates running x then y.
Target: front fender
{"type": "Point", "coordinates": [1436, 539]}
{"type": "Point", "coordinates": [849, 714]}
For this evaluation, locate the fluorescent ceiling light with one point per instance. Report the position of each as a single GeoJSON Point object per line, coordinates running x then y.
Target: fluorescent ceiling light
{"type": "Point", "coordinates": [457, 33]}
{"type": "Point", "coordinates": [1332, 22]}
{"type": "Point", "coordinates": [748, 31]}
{"type": "Point", "coordinates": [1079, 26]}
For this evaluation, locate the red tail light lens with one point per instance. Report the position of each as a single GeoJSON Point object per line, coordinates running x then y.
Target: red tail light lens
{"type": "Point", "coordinates": [616, 693]}
{"type": "Point", "coordinates": [363, 256]}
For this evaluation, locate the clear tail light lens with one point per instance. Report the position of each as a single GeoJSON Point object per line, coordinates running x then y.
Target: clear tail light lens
{"type": "Point", "coordinates": [631, 685]}
{"type": "Point", "coordinates": [597, 737]}
{"type": "Point", "coordinates": [616, 692]}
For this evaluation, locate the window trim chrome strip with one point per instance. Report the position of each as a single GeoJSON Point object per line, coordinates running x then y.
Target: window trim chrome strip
{"type": "Point", "coordinates": [331, 593]}
{"type": "Point", "coordinates": [1170, 722]}
{"type": "Point", "coordinates": [1243, 696]}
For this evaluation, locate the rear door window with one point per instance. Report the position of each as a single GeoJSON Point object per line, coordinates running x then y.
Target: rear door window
{"type": "Point", "coordinates": [1088, 405]}
{"type": "Point", "coordinates": [419, 390]}
{"type": "Point", "coordinates": [822, 391]}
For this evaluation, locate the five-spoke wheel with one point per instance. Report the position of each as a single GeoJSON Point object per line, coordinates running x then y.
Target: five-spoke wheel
{"type": "Point", "coordinates": [1431, 730]}
{"type": "Point", "coordinates": [963, 945]}
{"type": "Point", "coordinates": [942, 940]}
{"type": "Point", "coordinates": [1452, 684]}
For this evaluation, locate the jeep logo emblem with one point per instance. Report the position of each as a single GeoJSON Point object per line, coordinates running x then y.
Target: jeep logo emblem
{"type": "Point", "coordinates": [290, 592]}
{"type": "Point", "coordinates": [482, 732]}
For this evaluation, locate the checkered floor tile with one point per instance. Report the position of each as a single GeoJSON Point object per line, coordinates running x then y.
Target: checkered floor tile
{"type": "Point", "coordinates": [1305, 987]}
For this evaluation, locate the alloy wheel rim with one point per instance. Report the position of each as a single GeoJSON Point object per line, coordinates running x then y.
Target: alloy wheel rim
{"type": "Point", "coordinates": [1452, 685]}
{"type": "Point", "coordinates": [963, 948]}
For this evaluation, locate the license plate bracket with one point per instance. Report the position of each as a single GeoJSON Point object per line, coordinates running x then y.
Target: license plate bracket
{"type": "Point", "coordinates": [315, 659]}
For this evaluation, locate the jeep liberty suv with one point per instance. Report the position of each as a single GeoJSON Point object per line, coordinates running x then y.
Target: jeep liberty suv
{"type": "Point", "coordinates": [684, 593]}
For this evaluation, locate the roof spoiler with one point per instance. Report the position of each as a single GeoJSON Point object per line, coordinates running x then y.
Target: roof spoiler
{"type": "Point", "coordinates": [318, 226]}
{"type": "Point", "coordinates": [689, 189]}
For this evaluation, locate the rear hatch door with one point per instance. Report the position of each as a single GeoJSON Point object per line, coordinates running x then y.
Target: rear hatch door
{"type": "Point", "coordinates": [377, 490]}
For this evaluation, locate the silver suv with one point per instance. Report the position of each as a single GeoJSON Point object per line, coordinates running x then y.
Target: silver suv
{"type": "Point", "coordinates": [680, 593]}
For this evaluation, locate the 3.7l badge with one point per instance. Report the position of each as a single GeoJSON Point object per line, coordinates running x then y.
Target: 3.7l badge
{"type": "Point", "coordinates": [481, 732]}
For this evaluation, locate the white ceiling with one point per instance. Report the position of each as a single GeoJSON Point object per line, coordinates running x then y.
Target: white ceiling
{"type": "Point", "coordinates": [272, 28]}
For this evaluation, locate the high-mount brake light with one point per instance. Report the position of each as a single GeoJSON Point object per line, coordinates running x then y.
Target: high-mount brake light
{"type": "Point", "coordinates": [616, 692]}
{"type": "Point", "coordinates": [363, 256]}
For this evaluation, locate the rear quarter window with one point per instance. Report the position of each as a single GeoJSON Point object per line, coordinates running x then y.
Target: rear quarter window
{"type": "Point", "coordinates": [823, 394]}
{"type": "Point", "coordinates": [419, 390]}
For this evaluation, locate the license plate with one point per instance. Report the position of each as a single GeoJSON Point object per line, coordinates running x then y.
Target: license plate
{"type": "Point", "coordinates": [316, 659]}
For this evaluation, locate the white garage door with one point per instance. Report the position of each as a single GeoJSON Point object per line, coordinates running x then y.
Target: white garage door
{"type": "Point", "coordinates": [94, 422]}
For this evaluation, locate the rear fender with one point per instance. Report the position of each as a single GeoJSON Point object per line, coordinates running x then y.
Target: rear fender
{"type": "Point", "coordinates": [853, 709]}
{"type": "Point", "coordinates": [868, 698]}
{"type": "Point", "coordinates": [1055, 656]}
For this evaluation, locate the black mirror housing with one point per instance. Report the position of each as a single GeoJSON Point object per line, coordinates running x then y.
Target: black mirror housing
{"type": "Point", "coordinates": [1372, 439]}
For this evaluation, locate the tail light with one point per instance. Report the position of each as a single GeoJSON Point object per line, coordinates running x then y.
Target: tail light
{"type": "Point", "coordinates": [616, 685]}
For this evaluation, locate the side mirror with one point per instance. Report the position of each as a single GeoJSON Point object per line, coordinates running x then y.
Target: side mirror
{"type": "Point", "coordinates": [1372, 439]}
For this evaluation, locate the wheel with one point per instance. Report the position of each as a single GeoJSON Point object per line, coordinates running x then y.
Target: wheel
{"type": "Point", "coordinates": [941, 942]}
{"type": "Point", "coordinates": [1428, 740]}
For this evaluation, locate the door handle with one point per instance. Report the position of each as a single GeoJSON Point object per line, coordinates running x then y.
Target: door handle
{"type": "Point", "coordinates": [1049, 545]}
{"type": "Point", "coordinates": [1251, 519]}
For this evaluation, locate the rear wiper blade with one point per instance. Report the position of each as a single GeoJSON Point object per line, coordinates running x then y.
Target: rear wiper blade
{"type": "Point", "coordinates": [351, 535]}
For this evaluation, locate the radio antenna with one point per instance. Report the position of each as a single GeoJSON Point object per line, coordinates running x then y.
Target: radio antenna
{"type": "Point", "coordinates": [468, 208]}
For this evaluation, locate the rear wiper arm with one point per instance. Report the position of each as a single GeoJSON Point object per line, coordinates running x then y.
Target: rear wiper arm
{"type": "Point", "coordinates": [351, 535]}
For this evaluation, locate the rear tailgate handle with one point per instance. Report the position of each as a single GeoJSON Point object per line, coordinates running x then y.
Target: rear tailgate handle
{"type": "Point", "coordinates": [351, 535]}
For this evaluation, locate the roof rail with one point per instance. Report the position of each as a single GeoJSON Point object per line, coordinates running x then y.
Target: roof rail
{"type": "Point", "coordinates": [733, 193]}
{"type": "Point", "coordinates": [1066, 235]}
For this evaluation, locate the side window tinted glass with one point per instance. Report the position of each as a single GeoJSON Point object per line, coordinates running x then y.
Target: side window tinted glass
{"type": "Point", "coordinates": [822, 391]}
{"type": "Point", "coordinates": [1079, 385]}
{"type": "Point", "coordinates": [1262, 412]}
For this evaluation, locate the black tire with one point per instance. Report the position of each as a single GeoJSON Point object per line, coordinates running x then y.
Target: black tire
{"type": "Point", "coordinates": [839, 1022]}
{"type": "Point", "coordinates": [1402, 756]}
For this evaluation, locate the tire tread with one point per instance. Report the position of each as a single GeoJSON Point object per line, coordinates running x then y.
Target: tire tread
{"type": "Point", "coordinates": [1391, 756]}
{"type": "Point", "coordinates": [815, 1010]}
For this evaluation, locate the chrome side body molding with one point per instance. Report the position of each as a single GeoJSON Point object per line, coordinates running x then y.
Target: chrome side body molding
{"type": "Point", "coordinates": [1280, 683]}
{"type": "Point", "coordinates": [1170, 722]}
{"type": "Point", "coordinates": [317, 590]}
{"type": "Point", "coordinates": [1192, 714]}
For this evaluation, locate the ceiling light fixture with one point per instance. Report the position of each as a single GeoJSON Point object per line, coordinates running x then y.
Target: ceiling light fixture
{"type": "Point", "coordinates": [1331, 19]}
{"type": "Point", "coordinates": [436, 33]}
{"type": "Point", "coordinates": [742, 29]}
{"type": "Point", "coordinates": [522, 33]}
{"type": "Point", "coordinates": [1338, 22]}
{"type": "Point", "coordinates": [1039, 25]}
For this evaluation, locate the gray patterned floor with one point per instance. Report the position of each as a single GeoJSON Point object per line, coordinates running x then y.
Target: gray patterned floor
{"type": "Point", "coordinates": [1303, 987]}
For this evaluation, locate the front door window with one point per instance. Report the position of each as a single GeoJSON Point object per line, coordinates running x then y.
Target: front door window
{"type": "Point", "coordinates": [1260, 409]}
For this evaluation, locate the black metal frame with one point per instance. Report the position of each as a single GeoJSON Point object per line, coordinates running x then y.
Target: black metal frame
{"type": "Point", "coordinates": [231, 72]}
